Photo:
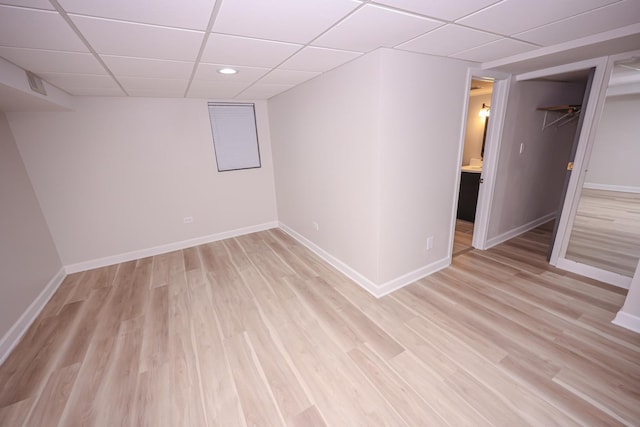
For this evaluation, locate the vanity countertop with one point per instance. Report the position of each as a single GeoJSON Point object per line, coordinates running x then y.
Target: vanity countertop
{"type": "Point", "coordinates": [470, 168]}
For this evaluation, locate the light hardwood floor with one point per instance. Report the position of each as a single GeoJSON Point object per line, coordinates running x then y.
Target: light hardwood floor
{"type": "Point", "coordinates": [257, 330]}
{"type": "Point", "coordinates": [462, 238]}
{"type": "Point", "coordinates": [606, 232]}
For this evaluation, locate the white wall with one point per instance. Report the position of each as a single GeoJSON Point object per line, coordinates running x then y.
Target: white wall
{"type": "Point", "coordinates": [475, 128]}
{"type": "Point", "coordinates": [615, 158]}
{"type": "Point", "coordinates": [629, 314]}
{"type": "Point", "coordinates": [326, 146]}
{"type": "Point", "coordinates": [370, 152]}
{"type": "Point", "coordinates": [119, 175]}
{"type": "Point", "coordinates": [528, 184]}
{"type": "Point", "coordinates": [28, 257]}
{"type": "Point", "coordinates": [422, 111]}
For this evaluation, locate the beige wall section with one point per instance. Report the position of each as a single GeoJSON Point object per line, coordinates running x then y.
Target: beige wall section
{"type": "Point", "coordinates": [120, 174]}
{"type": "Point", "coordinates": [616, 152]}
{"type": "Point", "coordinates": [529, 184]}
{"type": "Point", "coordinates": [326, 147]}
{"type": "Point", "coordinates": [422, 111]}
{"type": "Point", "coordinates": [28, 257]}
{"type": "Point", "coordinates": [475, 128]}
{"type": "Point", "coordinates": [370, 152]}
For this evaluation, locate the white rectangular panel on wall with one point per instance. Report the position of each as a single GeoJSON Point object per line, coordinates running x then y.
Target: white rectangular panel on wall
{"type": "Point", "coordinates": [235, 137]}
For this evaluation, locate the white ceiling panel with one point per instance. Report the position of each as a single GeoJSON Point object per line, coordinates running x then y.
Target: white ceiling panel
{"type": "Point", "coordinates": [501, 48]}
{"type": "Point", "coordinates": [372, 27]}
{"type": "Point", "coordinates": [37, 29]}
{"type": "Point", "coordinates": [152, 68]}
{"type": "Point", "coordinates": [52, 61]}
{"type": "Point", "coordinates": [120, 38]}
{"type": "Point", "coordinates": [597, 21]}
{"type": "Point", "coordinates": [233, 50]}
{"type": "Point", "coordinates": [209, 72]}
{"type": "Point", "coordinates": [35, 4]}
{"type": "Point", "coordinates": [288, 77]}
{"type": "Point", "coordinates": [514, 16]}
{"type": "Point", "coordinates": [292, 21]}
{"type": "Point", "coordinates": [445, 10]}
{"type": "Point", "coordinates": [73, 83]}
{"type": "Point", "coordinates": [137, 86]}
{"type": "Point", "coordinates": [263, 91]}
{"type": "Point", "coordinates": [215, 90]}
{"type": "Point", "coordinates": [191, 14]}
{"type": "Point", "coordinates": [318, 59]}
{"type": "Point", "coordinates": [448, 40]}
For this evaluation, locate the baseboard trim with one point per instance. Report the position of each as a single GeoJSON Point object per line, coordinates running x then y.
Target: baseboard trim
{"type": "Point", "coordinates": [519, 230]}
{"type": "Point", "coordinates": [607, 187]}
{"type": "Point", "coordinates": [13, 336]}
{"type": "Point", "coordinates": [627, 320]}
{"type": "Point", "coordinates": [157, 250]}
{"type": "Point", "coordinates": [365, 283]}
{"type": "Point", "coordinates": [595, 273]}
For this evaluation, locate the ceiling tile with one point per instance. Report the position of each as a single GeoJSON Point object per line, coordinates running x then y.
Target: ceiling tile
{"type": "Point", "coordinates": [318, 59]}
{"type": "Point", "coordinates": [233, 50]}
{"type": "Point", "coordinates": [38, 29]}
{"type": "Point", "coordinates": [35, 4]}
{"type": "Point", "coordinates": [445, 10]}
{"type": "Point", "coordinates": [209, 72]}
{"type": "Point", "coordinates": [137, 86]}
{"type": "Point", "coordinates": [448, 40]}
{"type": "Point", "coordinates": [292, 21]}
{"type": "Point", "coordinates": [120, 38]}
{"type": "Point", "coordinates": [215, 90]}
{"type": "Point", "coordinates": [263, 91]}
{"type": "Point", "coordinates": [52, 61]}
{"type": "Point", "coordinates": [192, 14]}
{"type": "Point", "coordinates": [287, 77]}
{"type": "Point", "coordinates": [597, 21]}
{"type": "Point", "coordinates": [144, 67]}
{"type": "Point", "coordinates": [513, 16]}
{"type": "Point", "coordinates": [77, 84]}
{"type": "Point", "coordinates": [372, 27]}
{"type": "Point", "coordinates": [502, 48]}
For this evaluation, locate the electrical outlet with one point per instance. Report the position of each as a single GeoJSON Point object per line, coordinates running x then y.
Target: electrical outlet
{"type": "Point", "coordinates": [187, 219]}
{"type": "Point", "coordinates": [315, 225]}
{"type": "Point", "coordinates": [429, 242]}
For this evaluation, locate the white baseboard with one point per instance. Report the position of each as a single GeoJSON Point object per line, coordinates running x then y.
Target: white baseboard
{"type": "Point", "coordinates": [627, 320]}
{"type": "Point", "coordinates": [157, 250]}
{"type": "Point", "coordinates": [594, 273]}
{"type": "Point", "coordinates": [13, 336]}
{"type": "Point", "coordinates": [367, 284]}
{"type": "Point", "coordinates": [519, 230]}
{"type": "Point", "coordinates": [607, 187]}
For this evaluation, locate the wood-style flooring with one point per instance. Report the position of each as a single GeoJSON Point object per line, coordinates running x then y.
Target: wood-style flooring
{"type": "Point", "coordinates": [462, 238]}
{"type": "Point", "coordinates": [606, 232]}
{"type": "Point", "coordinates": [257, 330]}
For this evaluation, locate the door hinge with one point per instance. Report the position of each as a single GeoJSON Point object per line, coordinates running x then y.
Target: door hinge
{"type": "Point", "coordinates": [570, 166]}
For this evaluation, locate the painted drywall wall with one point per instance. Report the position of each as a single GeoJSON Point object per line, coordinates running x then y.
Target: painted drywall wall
{"type": "Point", "coordinates": [369, 151]}
{"type": "Point", "coordinates": [475, 128]}
{"type": "Point", "coordinates": [616, 152]}
{"type": "Point", "coordinates": [629, 314]}
{"type": "Point", "coordinates": [422, 102]}
{"type": "Point", "coordinates": [28, 256]}
{"type": "Point", "coordinates": [325, 148]}
{"type": "Point", "coordinates": [120, 174]}
{"type": "Point", "coordinates": [529, 184]}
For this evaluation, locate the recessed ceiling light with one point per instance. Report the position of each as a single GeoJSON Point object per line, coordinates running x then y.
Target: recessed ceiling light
{"type": "Point", "coordinates": [227, 71]}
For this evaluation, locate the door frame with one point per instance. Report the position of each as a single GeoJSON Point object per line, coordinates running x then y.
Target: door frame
{"type": "Point", "coordinates": [585, 143]}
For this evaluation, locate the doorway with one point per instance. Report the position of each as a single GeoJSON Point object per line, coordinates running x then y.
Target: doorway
{"type": "Point", "coordinates": [478, 115]}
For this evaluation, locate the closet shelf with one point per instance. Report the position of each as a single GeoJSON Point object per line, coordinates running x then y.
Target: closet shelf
{"type": "Point", "coordinates": [567, 113]}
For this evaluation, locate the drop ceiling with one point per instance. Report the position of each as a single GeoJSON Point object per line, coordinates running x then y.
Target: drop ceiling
{"type": "Point", "coordinates": [174, 48]}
